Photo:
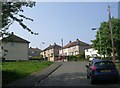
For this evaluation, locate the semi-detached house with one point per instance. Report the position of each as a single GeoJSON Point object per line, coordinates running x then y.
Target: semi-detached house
{"type": "Point", "coordinates": [16, 47]}
{"type": "Point", "coordinates": [51, 52]}
{"type": "Point", "coordinates": [74, 48]}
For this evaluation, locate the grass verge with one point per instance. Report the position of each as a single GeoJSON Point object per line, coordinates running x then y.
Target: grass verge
{"type": "Point", "coordinates": [12, 71]}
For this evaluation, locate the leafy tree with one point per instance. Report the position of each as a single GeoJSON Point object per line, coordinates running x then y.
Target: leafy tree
{"type": "Point", "coordinates": [106, 46]}
{"type": "Point", "coordinates": [11, 12]}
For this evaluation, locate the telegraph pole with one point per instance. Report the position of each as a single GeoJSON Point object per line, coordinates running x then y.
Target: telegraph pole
{"type": "Point", "coordinates": [111, 32]}
{"type": "Point", "coordinates": [100, 43]}
{"type": "Point", "coordinates": [62, 49]}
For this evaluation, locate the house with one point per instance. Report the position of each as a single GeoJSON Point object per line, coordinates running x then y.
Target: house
{"type": "Point", "coordinates": [74, 48]}
{"type": "Point", "coordinates": [34, 52]}
{"type": "Point", "coordinates": [91, 52]}
{"type": "Point", "coordinates": [16, 47]}
{"type": "Point", "coordinates": [51, 52]}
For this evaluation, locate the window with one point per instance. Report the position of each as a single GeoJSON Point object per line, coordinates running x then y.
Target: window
{"type": "Point", "coordinates": [51, 54]}
{"type": "Point", "coordinates": [44, 52]}
{"type": "Point", "coordinates": [105, 64]}
{"type": "Point", "coordinates": [12, 44]}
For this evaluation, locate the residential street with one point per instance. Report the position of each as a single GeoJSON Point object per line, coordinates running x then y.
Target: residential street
{"type": "Point", "coordinates": [71, 74]}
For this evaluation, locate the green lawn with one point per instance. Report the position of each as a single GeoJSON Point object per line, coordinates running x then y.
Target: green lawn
{"type": "Point", "coordinates": [12, 71]}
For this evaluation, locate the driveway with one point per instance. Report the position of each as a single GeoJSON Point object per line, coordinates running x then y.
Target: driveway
{"type": "Point", "coordinates": [70, 74]}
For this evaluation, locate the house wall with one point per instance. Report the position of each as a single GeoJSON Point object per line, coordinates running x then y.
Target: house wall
{"type": "Point", "coordinates": [56, 54]}
{"type": "Point", "coordinates": [82, 48]}
{"type": "Point", "coordinates": [65, 52]}
{"type": "Point", "coordinates": [16, 51]}
{"type": "Point", "coordinates": [70, 51]}
{"type": "Point", "coordinates": [34, 52]}
{"type": "Point", "coordinates": [74, 50]}
{"type": "Point", "coordinates": [91, 53]}
{"type": "Point", "coordinates": [49, 54]}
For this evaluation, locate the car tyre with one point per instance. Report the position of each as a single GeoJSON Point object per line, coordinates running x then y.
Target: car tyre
{"type": "Point", "coordinates": [92, 80]}
{"type": "Point", "coordinates": [88, 77]}
{"type": "Point", "coordinates": [116, 81]}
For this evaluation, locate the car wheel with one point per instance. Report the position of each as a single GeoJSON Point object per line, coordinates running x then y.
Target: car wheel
{"type": "Point", "coordinates": [88, 77]}
{"type": "Point", "coordinates": [91, 80]}
{"type": "Point", "coordinates": [116, 80]}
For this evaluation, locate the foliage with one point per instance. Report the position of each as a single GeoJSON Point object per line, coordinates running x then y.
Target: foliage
{"type": "Point", "coordinates": [16, 70]}
{"type": "Point", "coordinates": [118, 66]}
{"type": "Point", "coordinates": [37, 57]}
{"type": "Point", "coordinates": [11, 12]}
{"type": "Point", "coordinates": [104, 30]}
{"type": "Point", "coordinates": [79, 57]}
{"type": "Point", "coordinates": [71, 58]}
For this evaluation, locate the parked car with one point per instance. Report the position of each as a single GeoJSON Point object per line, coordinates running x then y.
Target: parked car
{"type": "Point", "coordinates": [60, 58]}
{"type": "Point", "coordinates": [90, 59]}
{"type": "Point", "coordinates": [102, 70]}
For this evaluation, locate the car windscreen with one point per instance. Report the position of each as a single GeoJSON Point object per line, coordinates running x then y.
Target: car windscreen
{"type": "Point", "coordinates": [104, 65]}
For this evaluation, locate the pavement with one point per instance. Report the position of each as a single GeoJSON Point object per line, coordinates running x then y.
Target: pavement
{"type": "Point", "coordinates": [36, 77]}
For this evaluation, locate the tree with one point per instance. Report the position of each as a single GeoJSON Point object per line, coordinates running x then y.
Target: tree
{"type": "Point", "coordinates": [106, 46]}
{"type": "Point", "coordinates": [11, 12]}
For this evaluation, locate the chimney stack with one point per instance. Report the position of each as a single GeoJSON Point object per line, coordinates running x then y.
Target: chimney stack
{"type": "Point", "coordinates": [77, 39]}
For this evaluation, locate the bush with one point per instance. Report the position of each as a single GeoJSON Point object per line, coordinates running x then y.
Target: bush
{"type": "Point", "coordinates": [71, 58]}
{"type": "Point", "coordinates": [78, 57]}
{"type": "Point", "coordinates": [36, 57]}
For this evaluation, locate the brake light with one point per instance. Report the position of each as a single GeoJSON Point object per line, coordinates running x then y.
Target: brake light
{"type": "Point", "coordinates": [93, 68]}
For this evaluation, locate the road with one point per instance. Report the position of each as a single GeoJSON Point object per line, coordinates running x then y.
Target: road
{"type": "Point", "coordinates": [71, 74]}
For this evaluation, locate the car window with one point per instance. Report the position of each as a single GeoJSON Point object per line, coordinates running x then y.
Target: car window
{"type": "Point", "coordinates": [105, 64]}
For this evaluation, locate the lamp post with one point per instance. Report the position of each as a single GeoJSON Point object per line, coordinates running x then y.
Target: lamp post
{"type": "Point", "coordinates": [62, 49]}
{"type": "Point", "coordinates": [99, 40]}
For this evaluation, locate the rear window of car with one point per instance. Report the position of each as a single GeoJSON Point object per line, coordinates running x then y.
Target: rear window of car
{"type": "Point", "coordinates": [105, 64]}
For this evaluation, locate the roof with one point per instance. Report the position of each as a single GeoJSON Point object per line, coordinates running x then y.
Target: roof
{"type": "Point", "coordinates": [51, 47]}
{"type": "Point", "coordinates": [77, 42]}
{"type": "Point", "coordinates": [34, 49]}
{"type": "Point", "coordinates": [14, 38]}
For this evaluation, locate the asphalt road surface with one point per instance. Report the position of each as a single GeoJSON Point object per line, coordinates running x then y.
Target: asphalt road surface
{"type": "Point", "coordinates": [71, 74]}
